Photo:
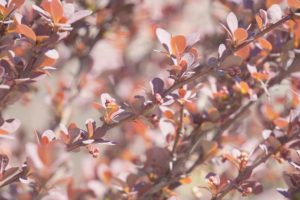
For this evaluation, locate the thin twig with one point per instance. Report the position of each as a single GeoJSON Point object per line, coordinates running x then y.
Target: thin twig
{"type": "Point", "coordinates": [179, 130]}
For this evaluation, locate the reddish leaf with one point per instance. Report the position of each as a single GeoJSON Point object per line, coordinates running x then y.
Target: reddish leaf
{"type": "Point", "coordinates": [259, 21]}
{"type": "Point", "coordinates": [14, 4]}
{"type": "Point", "coordinates": [47, 137]}
{"type": "Point", "coordinates": [294, 3]}
{"type": "Point", "coordinates": [55, 8]}
{"type": "Point", "coordinates": [281, 123]}
{"type": "Point", "coordinates": [178, 45]}
{"type": "Point", "coordinates": [244, 52]}
{"type": "Point", "coordinates": [186, 180]}
{"type": "Point", "coordinates": [240, 35]}
{"type": "Point", "coordinates": [265, 44]}
{"type": "Point", "coordinates": [25, 30]}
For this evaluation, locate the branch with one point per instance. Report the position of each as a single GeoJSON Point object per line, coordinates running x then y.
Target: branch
{"type": "Point", "coordinates": [179, 130]}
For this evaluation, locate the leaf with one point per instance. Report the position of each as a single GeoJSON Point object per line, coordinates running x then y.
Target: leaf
{"type": "Point", "coordinates": [232, 22]}
{"type": "Point", "coordinates": [221, 50]}
{"type": "Point", "coordinates": [240, 35]}
{"type": "Point", "coordinates": [9, 126]}
{"type": "Point", "coordinates": [274, 13]}
{"type": "Point", "coordinates": [157, 86]}
{"type": "Point", "coordinates": [264, 16]}
{"type": "Point", "coordinates": [55, 8]}
{"type": "Point", "coordinates": [106, 98]}
{"type": "Point", "coordinates": [91, 127]}
{"type": "Point", "coordinates": [25, 30]}
{"type": "Point", "coordinates": [164, 37]}
{"type": "Point", "coordinates": [232, 61]}
{"type": "Point", "coordinates": [41, 11]}
{"type": "Point", "coordinates": [49, 58]}
{"type": "Point", "coordinates": [14, 4]}
{"type": "Point", "coordinates": [47, 137]}
{"type": "Point", "coordinates": [293, 3]}
{"type": "Point", "coordinates": [64, 134]}
{"type": "Point", "coordinates": [192, 39]}
{"type": "Point", "coordinates": [259, 21]}
{"type": "Point", "coordinates": [281, 123]}
{"type": "Point", "coordinates": [185, 180]}
{"type": "Point", "coordinates": [53, 54]}
{"type": "Point", "coordinates": [260, 76]}
{"type": "Point", "coordinates": [206, 126]}
{"type": "Point", "coordinates": [244, 87]}
{"type": "Point", "coordinates": [79, 15]}
{"type": "Point", "coordinates": [266, 133]}
{"type": "Point", "coordinates": [244, 52]}
{"type": "Point", "coordinates": [264, 44]}
{"type": "Point", "coordinates": [178, 45]}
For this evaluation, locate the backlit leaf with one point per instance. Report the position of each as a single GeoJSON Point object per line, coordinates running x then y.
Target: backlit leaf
{"type": "Point", "coordinates": [240, 35]}
{"type": "Point", "coordinates": [265, 44]}
{"type": "Point", "coordinates": [164, 37]}
{"type": "Point", "coordinates": [178, 45]}
{"type": "Point", "coordinates": [55, 8]}
{"type": "Point", "coordinates": [232, 22]}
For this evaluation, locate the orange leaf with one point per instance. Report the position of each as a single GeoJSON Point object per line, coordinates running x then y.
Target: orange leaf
{"type": "Point", "coordinates": [45, 140]}
{"type": "Point", "coordinates": [14, 4]}
{"type": "Point", "coordinates": [178, 45]}
{"type": "Point", "coordinates": [55, 8]}
{"type": "Point", "coordinates": [3, 132]}
{"type": "Point", "coordinates": [259, 21]}
{"type": "Point", "coordinates": [168, 114]}
{"type": "Point", "coordinates": [25, 30]}
{"type": "Point", "coordinates": [294, 3]}
{"type": "Point", "coordinates": [181, 92]}
{"type": "Point", "coordinates": [186, 180]}
{"type": "Point", "coordinates": [269, 112]}
{"type": "Point", "coordinates": [265, 44]}
{"type": "Point", "coordinates": [244, 52]}
{"type": "Point", "coordinates": [281, 123]}
{"type": "Point", "coordinates": [244, 87]}
{"type": "Point", "coordinates": [106, 176]}
{"type": "Point", "coordinates": [57, 11]}
{"type": "Point", "coordinates": [240, 35]}
{"type": "Point", "coordinates": [260, 76]}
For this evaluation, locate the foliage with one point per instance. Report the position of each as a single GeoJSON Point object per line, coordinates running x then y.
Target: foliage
{"type": "Point", "coordinates": [223, 103]}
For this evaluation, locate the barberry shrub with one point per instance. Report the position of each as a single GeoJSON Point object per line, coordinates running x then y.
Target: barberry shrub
{"type": "Point", "coordinates": [120, 99]}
